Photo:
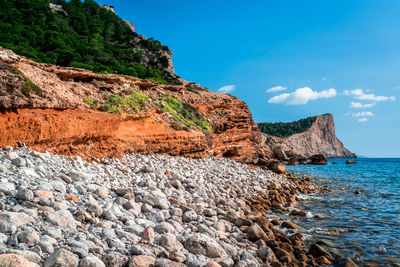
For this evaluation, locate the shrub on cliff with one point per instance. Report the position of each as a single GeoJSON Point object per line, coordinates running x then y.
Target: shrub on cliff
{"type": "Point", "coordinates": [282, 129]}
{"type": "Point", "coordinates": [83, 35]}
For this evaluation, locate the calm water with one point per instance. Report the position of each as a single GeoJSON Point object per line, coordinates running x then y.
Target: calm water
{"type": "Point", "coordinates": [368, 224]}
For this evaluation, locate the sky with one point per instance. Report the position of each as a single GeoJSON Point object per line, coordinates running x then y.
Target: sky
{"type": "Point", "coordinates": [290, 59]}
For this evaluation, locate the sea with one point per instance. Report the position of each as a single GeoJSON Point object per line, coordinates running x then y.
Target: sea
{"type": "Point", "coordinates": [365, 226]}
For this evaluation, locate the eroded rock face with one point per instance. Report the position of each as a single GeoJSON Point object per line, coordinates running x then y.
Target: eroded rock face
{"type": "Point", "coordinates": [58, 120]}
{"type": "Point", "coordinates": [319, 139]}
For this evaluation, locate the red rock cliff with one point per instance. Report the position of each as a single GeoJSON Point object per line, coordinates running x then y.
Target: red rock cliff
{"type": "Point", "coordinates": [58, 120]}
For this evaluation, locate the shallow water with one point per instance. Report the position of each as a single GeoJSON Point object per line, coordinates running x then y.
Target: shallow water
{"type": "Point", "coordinates": [368, 224]}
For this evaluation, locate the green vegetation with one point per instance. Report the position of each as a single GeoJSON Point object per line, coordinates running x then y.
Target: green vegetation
{"type": "Point", "coordinates": [192, 89]}
{"type": "Point", "coordinates": [184, 113]}
{"type": "Point", "coordinates": [133, 103]}
{"type": "Point", "coordinates": [29, 86]}
{"type": "Point", "coordinates": [84, 36]}
{"type": "Point", "coordinates": [282, 129]}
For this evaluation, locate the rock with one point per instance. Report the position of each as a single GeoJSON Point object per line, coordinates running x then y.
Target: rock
{"type": "Point", "coordinates": [11, 155]}
{"type": "Point", "coordinates": [318, 251]}
{"type": "Point", "coordinates": [293, 161]}
{"type": "Point", "coordinates": [46, 247]}
{"type": "Point", "coordinates": [209, 212]}
{"type": "Point", "coordinates": [142, 261]}
{"type": "Point", "coordinates": [239, 222]}
{"type": "Point", "coordinates": [177, 256]}
{"type": "Point", "coordinates": [17, 219]}
{"type": "Point", "coordinates": [266, 254]}
{"type": "Point", "coordinates": [227, 262]}
{"type": "Point", "coordinates": [255, 232]}
{"type": "Point", "coordinates": [19, 162]}
{"type": "Point", "coordinates": [189, 216]}
{"type": "Point", "coordinates": [344, 262]}
{"type": "Point", "coordinates": [115, 259]}
{"type": "Point", "coordinates": [202, 244]}
{"type": "Point", "coordinates": [161, 203]}
{"type": "Point", "coordinates": [91, 261]}
{"type": "Point", "coordinates": [299, 213]}
{"type": "Point", "coordinates": [169, 242]}
{"type": "Point", "coordinates": [43, 194]}
{"type": "Point", "coordinates": [322, 260]}
{"type": "Point", "coordinates": [350, 162]}
{"type": "Point", "coordinates": [25, 194]}
{"type": "Point", "coordinates": [357, 192]}
{"type": "Point", "coordinates": [162, 262]}
{"type": "Point", "coordinates": [212, 264]}
{"type": "Point", "coordinates": [61, 257]}
{"type": "Point", "coordinates": [6, 188]}
{"type": "Point", "coordinates": [13, 260]}
{"type": "Point", "coordinates": [62, 218]}
{"type": "Point", "coordinates": [290, 225]}
{"type": "Point", "coordinates": [163, 228]}
{"type": "Point", "coordinates": [29, 237]}
{"type": "Point", "coordinates": [66, 178]}
{"type": "Point", "coordinates": [318, 159]}
{"type": "Point", "coordinates": [148, 234]}
{"type": "Point", "coordinates": [277, 167]}
{"type": "Point", "coordinates": [102, 192]}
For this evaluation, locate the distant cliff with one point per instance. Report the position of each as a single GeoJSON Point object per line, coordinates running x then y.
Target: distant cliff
{"type": "Point", "coordinates": [320, 138]}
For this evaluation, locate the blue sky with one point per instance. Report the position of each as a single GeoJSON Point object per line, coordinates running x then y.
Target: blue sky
{"type": "Point", "coordinates": [325, 54]}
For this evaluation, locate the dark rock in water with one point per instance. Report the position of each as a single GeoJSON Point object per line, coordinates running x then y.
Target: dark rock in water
{"type": "Point", "coordinates": [350, 162]}
{"type": "Point", "coordinates": [344, 262]}
{"type": "Point", "coordinates": [293, 161]}
{"type": "Point", "coordinates": [334, 162]}
{"type": "Point", "coordinates": [304, 161]}
{"type": "Point", "coordinates": [357, 192]}
{"type": "Point", "coordinates": [318, 251]}
{"type": "Point", "coordinates": [290, 225]}
{"type": "Point", "coordinates": [318, 160]}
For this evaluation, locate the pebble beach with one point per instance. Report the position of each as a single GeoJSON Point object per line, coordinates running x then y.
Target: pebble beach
{"type": "Point", "coordinates": [149, 210]}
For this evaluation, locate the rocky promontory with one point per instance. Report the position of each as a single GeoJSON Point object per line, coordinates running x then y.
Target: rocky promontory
{"type": "Point", "coordinates": [319, 139]}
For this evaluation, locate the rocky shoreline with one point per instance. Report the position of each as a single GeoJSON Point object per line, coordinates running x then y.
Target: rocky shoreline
{"type": "Point", "coordinates": [149, 210]}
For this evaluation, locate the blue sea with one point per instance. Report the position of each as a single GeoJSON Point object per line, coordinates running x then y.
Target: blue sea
{"type": "Point", "coordinates": [368, 224]}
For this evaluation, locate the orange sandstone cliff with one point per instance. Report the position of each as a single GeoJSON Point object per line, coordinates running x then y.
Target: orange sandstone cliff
{"type": "Point", "coordinates": [57, 118]}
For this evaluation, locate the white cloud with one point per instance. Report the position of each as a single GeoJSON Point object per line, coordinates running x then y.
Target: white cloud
{"type": "Point", "coordinates": [301, 96]}
{"type": "Point", "coordinates": [359, 94]}
{"type": "Point", "coordinates": [363, 114]}
{"type": "Point", "coordinates": [360, 105]}
{"type": "Point", "coordinates": [362, 120]}
{"type": "Point", "coordinates": [276, 89]}
{"type": "Point", "coordinates": [227, 88]}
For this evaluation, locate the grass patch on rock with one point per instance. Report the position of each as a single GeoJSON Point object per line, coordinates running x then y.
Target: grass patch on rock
{"type": "Point", "coordinates": [28, 86]}
{"type": "Point", "coordinates": [132, 103]}
{"type": "Point", "coordinates": [184, 113]}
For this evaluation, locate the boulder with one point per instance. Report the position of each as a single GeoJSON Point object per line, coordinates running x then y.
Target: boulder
{"type": "Point", "coordinates": [142, 261]}
{"type": "Point", "coordinates": [62, 218]}
{"type": "Point", "coordinates": [350, 162]}
{"type": "Point", "coordinates": [62, 257]}
{"type": "Point", "coordinates": [204, 245]}
{"type": "Point", "coordinates": [318, 159]}
{"type": "Point", "coordinates": [14, 260]}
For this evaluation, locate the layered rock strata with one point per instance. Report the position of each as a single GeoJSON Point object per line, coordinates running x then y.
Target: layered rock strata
{"type": "Point", "coordinates": [57, 119]}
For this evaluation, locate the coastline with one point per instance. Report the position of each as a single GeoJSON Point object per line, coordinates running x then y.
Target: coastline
{"type": "Point", "coordinates": [149, 210]}
{"type": "Point", "coordinates": [361, 211]}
